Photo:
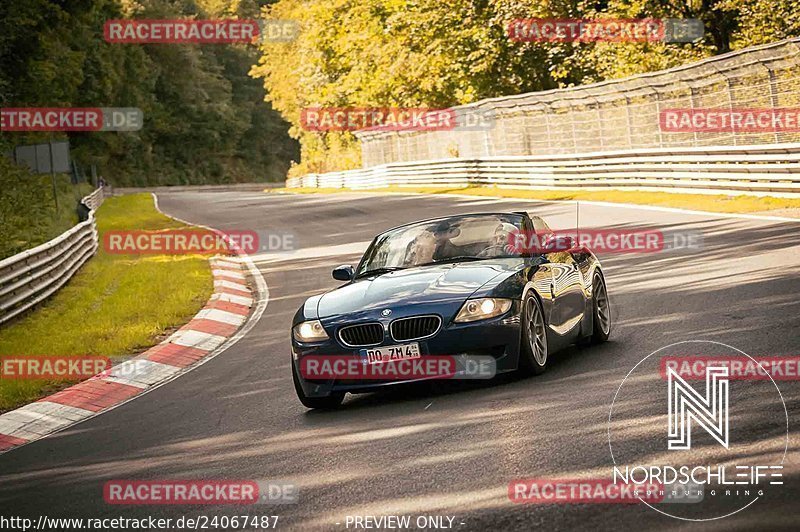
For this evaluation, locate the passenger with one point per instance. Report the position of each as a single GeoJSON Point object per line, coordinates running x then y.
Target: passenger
{"type": "Point", "coordinates": [421, 249]}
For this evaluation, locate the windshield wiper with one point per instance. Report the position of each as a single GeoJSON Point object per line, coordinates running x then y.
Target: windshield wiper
{"type": "Point", "coordinates": [465, 258]}
{"type": "Point", "coordinates": [378, 271]}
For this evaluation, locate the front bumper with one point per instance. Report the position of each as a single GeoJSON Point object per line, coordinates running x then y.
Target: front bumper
{"type": "Point", "coordinates": [496, 337]}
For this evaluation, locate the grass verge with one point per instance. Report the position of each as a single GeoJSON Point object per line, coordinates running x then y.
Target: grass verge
{"type": "Point", "coordinates": [699, 202]}
{"type": "Point", "coordinates": [115, 306]}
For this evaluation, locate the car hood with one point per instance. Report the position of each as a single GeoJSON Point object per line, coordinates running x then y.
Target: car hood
{"type": "Point", "coordinates": [425, 284]}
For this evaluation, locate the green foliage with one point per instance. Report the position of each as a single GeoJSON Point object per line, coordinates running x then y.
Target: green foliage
{"type": "Point", "coordinates": [28, 216]}
{"type": "Point", "coordinates": [205, 119]}
{"type": "Point", "coordinates": [762, 21]}
{"type": "Point", "coordinates": [448, 52]}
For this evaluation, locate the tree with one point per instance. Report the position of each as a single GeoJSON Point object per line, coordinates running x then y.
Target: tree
{"type": "Point", "coordinates": [205, 119]}
{"type": "Point", "coordinates": [447, 52]}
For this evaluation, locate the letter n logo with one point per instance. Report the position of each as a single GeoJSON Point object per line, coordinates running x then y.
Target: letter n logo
{"type": "Point", "coordinates": [686, 405]}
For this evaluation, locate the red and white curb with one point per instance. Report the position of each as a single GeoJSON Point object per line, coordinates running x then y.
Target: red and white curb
{"type": "Point", "coordinates": [224, 319]}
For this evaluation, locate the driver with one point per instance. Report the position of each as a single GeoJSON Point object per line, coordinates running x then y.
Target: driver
{"type": "Point", "coordinates": [501, 243]}
{"type": "Point", "coordinates": [444, 248]}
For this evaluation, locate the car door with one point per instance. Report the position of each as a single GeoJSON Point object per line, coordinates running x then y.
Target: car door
{"type": "Point", "coordinates": [540, 272]}
{"type": "Point", "coordinates": [568, 302]}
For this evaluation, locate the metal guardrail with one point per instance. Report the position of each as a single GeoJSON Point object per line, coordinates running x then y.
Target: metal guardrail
{"type": "Point", "coordinates": [772, 169]}
{"type": "Point", "coordinates": [619, 114]}
{"type": "Point", "coordinates": [232, 187]}
{"type": "Point", "coordinates": [95, 199]}
{"type": "Point", "coordinates": [32, 276]}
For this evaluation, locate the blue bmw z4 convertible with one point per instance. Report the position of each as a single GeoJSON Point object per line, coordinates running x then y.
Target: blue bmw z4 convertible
{"type": "Point", "coordinates": [452, 286]}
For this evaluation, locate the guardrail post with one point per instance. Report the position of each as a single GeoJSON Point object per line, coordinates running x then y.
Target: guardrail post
{"type": "Point", "coordinates": [773, 95]}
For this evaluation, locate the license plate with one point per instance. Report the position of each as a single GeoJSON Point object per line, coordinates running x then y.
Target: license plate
{"type": "Point", "coordinates": [390, 353]}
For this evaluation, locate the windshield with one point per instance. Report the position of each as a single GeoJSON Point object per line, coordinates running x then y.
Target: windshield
{"type": "Point", "coordinates": [453, 239]}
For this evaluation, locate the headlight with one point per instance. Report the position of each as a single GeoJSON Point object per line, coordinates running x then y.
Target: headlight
{"type": "Point", "coordinates": [482, 308]}
{"type": "Point", "coordinates": [309, 331]}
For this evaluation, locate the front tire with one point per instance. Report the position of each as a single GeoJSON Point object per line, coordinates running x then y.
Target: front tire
{"type": "Point", "coordinates": [534, 351]}
{"type": "Point", "coordinates": [324, 403]}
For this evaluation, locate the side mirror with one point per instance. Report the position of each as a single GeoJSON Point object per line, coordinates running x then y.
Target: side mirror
{"type": "Point", "coordinates": [344, 272]}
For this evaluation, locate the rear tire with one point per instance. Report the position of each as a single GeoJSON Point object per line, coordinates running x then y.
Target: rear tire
{"type": "Point", "coordinates": [601, 311]}
{"type": "Point", "coordinates": [323, 403]}
{"type": "Point", "coordinates": [533, 351]}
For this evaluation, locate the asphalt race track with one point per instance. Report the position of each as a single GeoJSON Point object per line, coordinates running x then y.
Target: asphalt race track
{"type": "Point", "coordinates": [417, 451]}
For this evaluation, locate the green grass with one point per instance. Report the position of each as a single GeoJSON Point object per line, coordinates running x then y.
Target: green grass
{"type": "Point", "coordinates": [700, 202]}
{"type": "Point", "coordinates": [115, 306]}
